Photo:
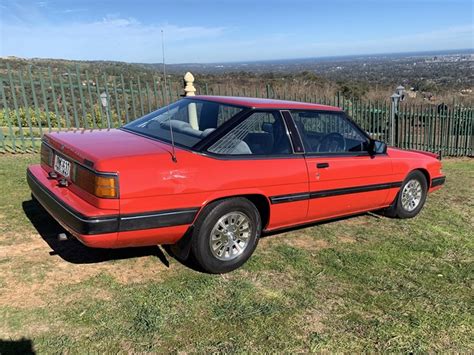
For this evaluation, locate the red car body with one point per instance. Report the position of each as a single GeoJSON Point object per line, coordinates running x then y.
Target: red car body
{"type": "Point", "coordinates": [158, 199]}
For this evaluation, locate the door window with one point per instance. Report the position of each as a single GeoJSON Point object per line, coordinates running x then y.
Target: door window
{"type": "Point", "coordinates": [328, 132]}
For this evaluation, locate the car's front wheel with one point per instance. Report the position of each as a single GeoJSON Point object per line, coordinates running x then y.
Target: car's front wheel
{"type": "Point", "coordinates": [411, 198]}
{"type": "Point", "coordinates": [226, 234]}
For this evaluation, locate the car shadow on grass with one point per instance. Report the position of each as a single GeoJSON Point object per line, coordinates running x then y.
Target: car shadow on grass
{"type": "Point", "coordinates": [75, 252]}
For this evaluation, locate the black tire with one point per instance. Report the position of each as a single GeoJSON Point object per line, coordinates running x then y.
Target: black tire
{"type": "Point", "coordinates": [397, 210]}
{"type": "Point", "coordinates": [208, 218]}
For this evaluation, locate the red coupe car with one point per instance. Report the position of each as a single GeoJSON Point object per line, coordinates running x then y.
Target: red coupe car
{"type": "Point", "coordinates": [209, 175]}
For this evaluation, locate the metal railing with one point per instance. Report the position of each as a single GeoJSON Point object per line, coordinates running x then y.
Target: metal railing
{"type": "Point", "coordinates": [33, 102]}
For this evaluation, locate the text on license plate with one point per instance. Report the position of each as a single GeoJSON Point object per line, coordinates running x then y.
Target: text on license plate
{"type": "Point", "coordinates": [62, 166]}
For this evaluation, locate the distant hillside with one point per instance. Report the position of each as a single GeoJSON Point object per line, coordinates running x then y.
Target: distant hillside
{"type": "Point", "coordinates": [445, 74]}
{"type": "Point", "coordinates": [301, 64]}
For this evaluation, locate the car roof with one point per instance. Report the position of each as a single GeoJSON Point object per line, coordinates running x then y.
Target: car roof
{"type": "Point", "coordinates": [264, 103]}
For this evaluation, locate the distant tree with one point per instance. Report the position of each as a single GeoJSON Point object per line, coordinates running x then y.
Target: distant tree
{"type": "Point", "coordinates": [351, 89]}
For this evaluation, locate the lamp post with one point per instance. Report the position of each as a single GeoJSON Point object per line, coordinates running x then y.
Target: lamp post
{"type": "Point", "coordinates": [400, 90]}
{"type": "Point", "coordinates": [394, 111]}
{"type": "Point", "coordinates": [396, 98]}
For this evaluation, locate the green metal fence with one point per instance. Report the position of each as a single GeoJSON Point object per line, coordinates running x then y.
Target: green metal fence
{"type": "Point", "coordinates": [35, 101]}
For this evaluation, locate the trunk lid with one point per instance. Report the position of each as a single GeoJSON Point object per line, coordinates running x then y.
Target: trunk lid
{"type": "Point", "coordinates": [103, 150]}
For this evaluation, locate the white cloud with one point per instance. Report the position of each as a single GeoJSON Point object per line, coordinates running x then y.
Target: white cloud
{"type": "Point", "coordinates": [72, 11]}
{"type": "Point", "coordinates": [113, 37]}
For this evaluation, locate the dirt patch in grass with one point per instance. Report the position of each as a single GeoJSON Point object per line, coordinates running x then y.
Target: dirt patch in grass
{"type": "Point", "coordinates": [22, 249]}
{"type": "Point", "coordinates": [270, 284]}
{"type": "Point", "coordinates": [312, 321]}
{"type": "Point", "coordinates": [346, 239]}
{"type": "Point", "coordinates": [27, 294]}
{"type": "Point", "coordinates": [141, 270]}
{"type": "Point", "coordinates": [21, 296]}
{"type": "Point", "coordinates": [305, 241]}
{"type": "Point", "coordinates": [31, 274]}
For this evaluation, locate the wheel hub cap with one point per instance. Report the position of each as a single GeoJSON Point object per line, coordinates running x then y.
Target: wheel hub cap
{"type": "Point", "coordinates": [230, 236]}
{"type": "Point", "coordinates": [411, 195]}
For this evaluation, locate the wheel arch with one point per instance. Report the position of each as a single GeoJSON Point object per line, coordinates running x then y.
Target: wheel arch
{"type": "Point", "coordinates": [260, 201]}
{"type": "Point", "coordinates": [262, 204]}
{"type": "Point", "coordinates": [390, 211]}
{"type": "Point", "coordinates": [182, 248]}
{"type": "Point", "coordinates": [425, 173]}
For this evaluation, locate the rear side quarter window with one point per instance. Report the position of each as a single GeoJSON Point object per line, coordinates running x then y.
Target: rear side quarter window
{"type": "Point", "coordinates": [262, 133]}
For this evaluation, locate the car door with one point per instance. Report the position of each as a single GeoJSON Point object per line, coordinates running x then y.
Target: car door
{"type": "Point", "coordinates": [259, 156]}
{"type": "Point", "coordinates": [343, 177]}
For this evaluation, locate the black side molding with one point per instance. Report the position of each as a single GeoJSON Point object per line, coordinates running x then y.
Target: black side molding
{"type": "Point", "coordinates": [438, 181]}
{"type": "Point", "coordinates": [354, 190]}
{"type": "Point", "coordinates": [289, 198]}
{"type": "Point", "coordinates": [157, 219]}
{"type": "Point", "coordinates": [333, 192]}
{"type": "Point", "coordinates": [88, 225]}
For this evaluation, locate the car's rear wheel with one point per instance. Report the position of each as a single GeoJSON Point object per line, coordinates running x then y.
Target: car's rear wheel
{"type": "Point", "coordinates": [226, 234]}
{"type": "Point", "coordinates": [411, 197]}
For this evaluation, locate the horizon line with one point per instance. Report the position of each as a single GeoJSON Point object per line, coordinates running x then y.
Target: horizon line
{"type": "Point", "coordinates": [453, 51]}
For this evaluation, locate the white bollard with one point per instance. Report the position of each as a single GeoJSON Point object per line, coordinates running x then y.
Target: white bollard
{"type": "Point", "coordinates": [189, 90]}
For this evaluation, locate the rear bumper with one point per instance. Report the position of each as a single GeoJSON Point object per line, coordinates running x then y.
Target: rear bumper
{"type": "Point", "coordinates": [107, 228]}
{"type": "Point", "coordinates": [67, 216]}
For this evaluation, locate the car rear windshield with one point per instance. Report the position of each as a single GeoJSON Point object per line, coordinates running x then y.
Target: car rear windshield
{"type": "Point", "coordinates": [190, 120]}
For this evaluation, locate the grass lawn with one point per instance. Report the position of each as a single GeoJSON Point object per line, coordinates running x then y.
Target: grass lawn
{"type": "Point", "coordinates": [366, 283]}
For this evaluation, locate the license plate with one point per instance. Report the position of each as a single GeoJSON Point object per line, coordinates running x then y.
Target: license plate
{"type": "Point", "coordinates": [62, 166]}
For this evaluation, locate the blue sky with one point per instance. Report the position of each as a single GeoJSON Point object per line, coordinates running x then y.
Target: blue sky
{"type": "Point", "coordinates": [215, 31]}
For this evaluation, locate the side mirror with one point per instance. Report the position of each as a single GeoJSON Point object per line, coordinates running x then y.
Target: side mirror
{"type": "Point", "coordinates": [377, 147]}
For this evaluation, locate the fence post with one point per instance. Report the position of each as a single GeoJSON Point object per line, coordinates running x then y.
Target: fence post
{"type": "Point", "coordinates": [6, 112]}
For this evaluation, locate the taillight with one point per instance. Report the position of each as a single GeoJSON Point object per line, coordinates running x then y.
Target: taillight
{"type": "Point", "coordinates": [46, 155]}
{"type": "Point", "coordinates": [100, 185]}
{"type": "Point", "coordinates": [106, 186]}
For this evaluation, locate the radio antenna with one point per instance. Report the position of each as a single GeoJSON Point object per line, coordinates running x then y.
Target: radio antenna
{"type": "Point", "coordinates": [173, 153]}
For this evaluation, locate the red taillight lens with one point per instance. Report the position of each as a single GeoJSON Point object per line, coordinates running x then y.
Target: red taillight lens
{"type": "Point", "coordinates": [46, 155]}
{"type": "Point", "coordinates": [103, 186]}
